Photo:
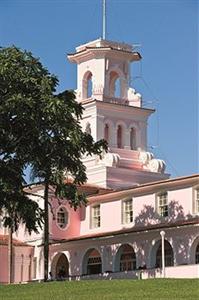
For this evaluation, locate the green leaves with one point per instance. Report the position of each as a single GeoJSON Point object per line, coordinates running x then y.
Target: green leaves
{"type": "Point", "coordinates": [40, 129]}
{"type": "Point", "coordinates": [15, 206]}
{"type": "Point", "coordinates": [24, 86]}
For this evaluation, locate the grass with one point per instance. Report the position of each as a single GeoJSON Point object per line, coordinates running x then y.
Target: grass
{"type": "Point", "coordinates": [169, 289]}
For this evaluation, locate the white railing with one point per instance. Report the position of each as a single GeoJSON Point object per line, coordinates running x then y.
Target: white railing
{"type": "Point", "coordinates": [182, 271]}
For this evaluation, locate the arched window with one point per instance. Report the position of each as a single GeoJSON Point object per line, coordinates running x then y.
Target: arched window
{"type": "Point", "coordinates": [115, 85]}
{"type": "Point", "coordinates": [197, 254]}
{"type": "Point", "coordinates": [94, 262]}
{"type": "Point", "coordinates": [87, 85]}
{"type": "Point", "coordinates": [60, 266]}
{"type": "Point", "coordinates": [106, 132]}
{"type": "Point", "coordinates": [117, 88]}
{"type": "Point", "coordinates": [62, 217]}
{"type": "Point", "coordinates": [119, 137]}
{"type": "Point", "coordinates": [127, 258]}
{"type": "Point", "coordinates": [169, 261]}
{"type": "Point", "coordinates": [133, 139]}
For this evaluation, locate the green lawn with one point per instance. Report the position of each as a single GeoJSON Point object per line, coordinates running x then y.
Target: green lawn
{"type": "Point", "coordinates": [170, 289]}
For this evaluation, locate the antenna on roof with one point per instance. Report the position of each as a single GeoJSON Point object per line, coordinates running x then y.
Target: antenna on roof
{"type": "Point", "coordinates": [104, 20]}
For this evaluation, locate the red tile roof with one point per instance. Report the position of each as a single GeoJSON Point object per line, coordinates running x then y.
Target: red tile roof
{"type": "Point", "coordinates": [88, 189]}
{"type": "Point", "coordinates": [16, 243]}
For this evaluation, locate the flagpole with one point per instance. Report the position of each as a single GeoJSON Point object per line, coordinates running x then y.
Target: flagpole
{"type": "Point", "coordinates": [104, 20]}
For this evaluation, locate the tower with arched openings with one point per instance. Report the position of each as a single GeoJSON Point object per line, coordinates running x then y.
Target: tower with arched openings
{"type": "Point", "coordinates": [114, 111]}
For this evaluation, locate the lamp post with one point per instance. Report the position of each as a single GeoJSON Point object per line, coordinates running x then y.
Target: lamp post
{"type": "Point", "coordinates": [162, 233]}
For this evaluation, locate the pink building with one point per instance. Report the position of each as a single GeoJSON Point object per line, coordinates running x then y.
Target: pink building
{"type": "Point", "coordinates": [130, 197]}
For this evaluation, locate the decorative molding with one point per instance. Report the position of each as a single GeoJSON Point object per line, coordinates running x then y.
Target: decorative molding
{"type": "Point", "coordinates": [157, 165]}
{"type": "Point", "coordinates": [150, 163]}
{"type": "Point", "coordinates": [108, 160]}
{"type": "Point", "coordinates": [145, 157]}
{"type": "Point", "coordinates": [135, 99]}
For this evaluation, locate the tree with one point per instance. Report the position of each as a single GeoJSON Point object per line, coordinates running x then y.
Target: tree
{"type": "Point", "coordinates": [21, 79]}
{"type": "Point", "coordinates": [58, 153]}
{"type": "Point", "coordinates": [42, 129]}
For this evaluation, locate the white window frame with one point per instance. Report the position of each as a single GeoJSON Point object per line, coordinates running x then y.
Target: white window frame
{"type": "Point", "coordinates": [58, 222]}
{"type": "Point", "coordinates": [162, 206]}
{"type": "Point", "coordinates": [196, 200]}
{"type": "Point", "coordinates": [127, 211]}
{"type": "Point", "coordinates": [95, 220]}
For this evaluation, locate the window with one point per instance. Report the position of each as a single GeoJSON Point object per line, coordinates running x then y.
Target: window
{"type": "Point", "coordinates": [127, 209]}
{"type": "Point", "coordinates": [162, 200]}
{"type": "Point", "coordinates": [94, 265]}
{"type": "Point", "coordinates": [119, 137]}
{"type": "Point", "coordinates": [87, 85]}
{"type": "Point", "coordinates": [127, 259]}
{"type": "Point", "coordinates": [117, 88]}
{"type": "Point", "coordinates": [62, 217]}
{"type": "Point", "coordinates": [168, 251]}
{"type": "Point", "coordinates": [95, 216]}
{"type": "Point", "coordinates": [197, 254]}
{"type": "Point", "coordinates": [115, 85]}
{"type": "Point", "coordinates": [196, 200]}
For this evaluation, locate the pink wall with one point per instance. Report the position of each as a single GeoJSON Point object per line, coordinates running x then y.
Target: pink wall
{"type": "Point", "coordinates": [181, 202]}
{"type": "Point", "coordinates": [22, 266]}
{"type": "Point", "coordinates": [144, 211]}
{"type": "Point", "coordinates": [4, 264]}
{"type": "Point", "coordinates": [73, 227]}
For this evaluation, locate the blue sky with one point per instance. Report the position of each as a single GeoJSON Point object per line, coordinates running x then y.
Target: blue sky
{"type": "Point", "coordinates": [167, 77]}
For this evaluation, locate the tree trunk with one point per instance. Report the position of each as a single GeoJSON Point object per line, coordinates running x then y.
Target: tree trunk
{"type": "Point", "coordinates": [46, 231]}
{"type": "Point", "coordinates": [10, 256]}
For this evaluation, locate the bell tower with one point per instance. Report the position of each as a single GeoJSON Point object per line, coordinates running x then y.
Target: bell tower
{"type": "Point", "coordinates": [100, 65]}
{"type": "Point", "coordinates": [114, 111]}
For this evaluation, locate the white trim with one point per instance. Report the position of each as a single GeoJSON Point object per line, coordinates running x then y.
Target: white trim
{"type": "Point", "coordinates": [92, 207]}
{"type": "Point", "coordinates": [195, 190]}
{"type": "Point", "coordinates": [123, 211]}
{"type": "Point", "coordinates": [68, 217]}
{"type": "Point", "coordinates": [157, 206]}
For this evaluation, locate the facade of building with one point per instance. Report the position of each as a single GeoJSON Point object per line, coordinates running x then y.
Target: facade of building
{"type": "Point", "coordinates": [130, 197]}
